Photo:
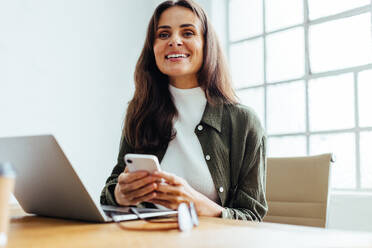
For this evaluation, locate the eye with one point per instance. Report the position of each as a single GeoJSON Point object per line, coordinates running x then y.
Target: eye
{"type": "Point", "coordinates": [188, 33]}
{"type": "Point", "coordinates": [163, 35]}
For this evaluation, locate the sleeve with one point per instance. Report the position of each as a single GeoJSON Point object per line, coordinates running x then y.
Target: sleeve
{"type": "Point", "coordinates": [248, 197]}
{"type": "Point", "coordinates": [107, 195]}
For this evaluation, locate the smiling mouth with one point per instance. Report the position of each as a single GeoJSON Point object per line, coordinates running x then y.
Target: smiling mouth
{"type": "Point", "coordinates": [177, 56]}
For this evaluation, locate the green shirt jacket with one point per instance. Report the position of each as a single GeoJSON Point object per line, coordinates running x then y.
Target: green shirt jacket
{"type": "Point", "coordinates": [234, 143]}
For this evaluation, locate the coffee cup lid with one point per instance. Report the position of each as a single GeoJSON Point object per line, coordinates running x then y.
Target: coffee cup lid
{"type": "Point", "coordinates": [6, 169]}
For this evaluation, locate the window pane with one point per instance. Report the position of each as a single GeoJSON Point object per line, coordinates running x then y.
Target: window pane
{"type": "Point", "coordinates": [247, 63]}
{"type": "Point", "coordinates": [366, 159]}
{"type": "Point", "coordinates": [290, 146]}
{"type": "Point", "coordinates": [365, 99]}
{"type": "Point", "coordinates": [286, 108]}
{"type": "Point", "coordinates": [285, 55]}
{"type": "Point", "coordinates": [320, 8]}
{"type": "Point", "coordinates": [275, 19]}
{"type": "Point", "coordinates": [340, 44]}
{"type": "Point", "coordinates": [331, 103]}
{"type": "Point", "coordinates": [255, 99]}
{"type": "Point", "coordinates": [343, 148]}
{"type": "Point", "coordinates": [246, 18]}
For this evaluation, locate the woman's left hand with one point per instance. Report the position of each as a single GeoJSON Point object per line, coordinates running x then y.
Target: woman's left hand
{"type": "Point", "coordinates": [176, 190]}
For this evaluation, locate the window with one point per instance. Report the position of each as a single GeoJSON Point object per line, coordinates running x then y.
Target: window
{"type": "Point", "coordinates": [305, 67]}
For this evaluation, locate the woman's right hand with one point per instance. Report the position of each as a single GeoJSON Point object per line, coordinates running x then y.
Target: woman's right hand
{"type": "Point", "coordinates": [135, 187]}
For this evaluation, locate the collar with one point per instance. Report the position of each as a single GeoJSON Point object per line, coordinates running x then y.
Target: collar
{"type": "Point", "coordinates": [212, 115]}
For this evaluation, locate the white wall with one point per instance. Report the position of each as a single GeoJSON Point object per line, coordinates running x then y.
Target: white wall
{"type": "Point", "coordinates": [66, 68]}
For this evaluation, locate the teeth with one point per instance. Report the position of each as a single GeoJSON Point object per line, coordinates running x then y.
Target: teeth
{"type": "Point", "coordinates": [176, 56]}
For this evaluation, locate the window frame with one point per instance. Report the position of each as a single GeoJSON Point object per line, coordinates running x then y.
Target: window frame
{"type": "Point", "coordinates": [309, 75]}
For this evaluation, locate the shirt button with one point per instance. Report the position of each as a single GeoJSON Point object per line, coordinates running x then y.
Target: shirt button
{"type": "Point", "coordinates": [220, 189]}
{"type": "Point", "coordinates": [207, 157]}
{"type": "Point", "coordinates": [200, 127]}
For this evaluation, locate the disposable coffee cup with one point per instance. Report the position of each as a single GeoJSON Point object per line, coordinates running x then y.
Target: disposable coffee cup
{"type": "Point", "coordinates": [7, 178]}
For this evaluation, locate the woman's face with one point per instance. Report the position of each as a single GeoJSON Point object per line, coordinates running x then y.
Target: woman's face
{"type": "Point", "coordinates": [178, 45]}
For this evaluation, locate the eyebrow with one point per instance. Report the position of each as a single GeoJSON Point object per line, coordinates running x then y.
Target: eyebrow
{"type": "Point", "coordinates": [182, 26]}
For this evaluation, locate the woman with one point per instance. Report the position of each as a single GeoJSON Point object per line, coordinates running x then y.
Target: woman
{"type": "Point", "coordinates": [184, 110]}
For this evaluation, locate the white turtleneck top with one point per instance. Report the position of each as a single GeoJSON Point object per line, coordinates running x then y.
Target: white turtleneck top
{"type": "Point", "coordinates": [184, 156]}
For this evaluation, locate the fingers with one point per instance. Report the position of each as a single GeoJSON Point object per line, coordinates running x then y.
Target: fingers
{"type": "Point", "coordinates": [126, 177]}
{"type": "Point", "coordinates": [171, 198]}
{"type": "Point", "coordinates": [169, 201]}
{"type": "Point", "coordinates": [144, 198]}
{"type": "Point", "coordinates": [132, 188]}
{"type": "Point", "coordinates": [136, 187]}
{"type": "Point", "coordinates": [170, 178]}
{"type": "Point", "coordinates": [126, 188]}
{"type": "Point", "coordinates": [170, 189]}
{"type": "Point", "coordinates": [140, 192]}
{"type": "Point", "coordinates": [140, 199]}
{"type": "Point", "coordinates": [134, 197]}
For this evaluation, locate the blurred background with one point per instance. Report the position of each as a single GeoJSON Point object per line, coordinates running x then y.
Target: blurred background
{"type": "Point", "coordinates": [305, 67]}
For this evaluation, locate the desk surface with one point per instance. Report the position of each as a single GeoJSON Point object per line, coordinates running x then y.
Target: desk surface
{"type": "Point", "coordinates": [34, 231]}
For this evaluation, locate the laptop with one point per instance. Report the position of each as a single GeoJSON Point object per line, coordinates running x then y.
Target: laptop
{"type": "Point", "coordinates": [47, 184]}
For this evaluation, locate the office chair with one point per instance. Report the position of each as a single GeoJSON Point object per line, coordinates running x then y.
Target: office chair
{"type": "Point", "coordinates": [297, 190]}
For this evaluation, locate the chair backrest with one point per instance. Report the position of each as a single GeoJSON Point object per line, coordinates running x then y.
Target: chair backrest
{"type": "Point", "coordinates": [297, 190]}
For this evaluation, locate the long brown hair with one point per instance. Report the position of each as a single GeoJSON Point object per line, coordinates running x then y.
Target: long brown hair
{"type": "Point", "coordinates": [148, 122]}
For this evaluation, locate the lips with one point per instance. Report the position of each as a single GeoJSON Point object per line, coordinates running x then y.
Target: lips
{"type": "Point", "coordinates": [177, 56]}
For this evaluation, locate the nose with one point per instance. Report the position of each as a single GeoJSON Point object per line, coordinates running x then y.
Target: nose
{"type": "Point", "coordinates": [175, 41]}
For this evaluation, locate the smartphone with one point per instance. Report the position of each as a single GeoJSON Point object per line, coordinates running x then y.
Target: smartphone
{"type": "Point", "coordinates": [141, 162]}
